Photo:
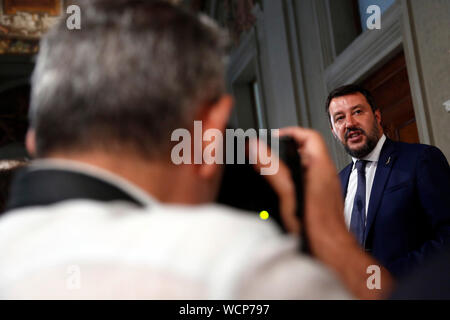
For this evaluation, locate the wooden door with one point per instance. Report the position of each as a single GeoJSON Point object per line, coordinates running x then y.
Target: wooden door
{"type": "Point", "coordinates": [390, 87]}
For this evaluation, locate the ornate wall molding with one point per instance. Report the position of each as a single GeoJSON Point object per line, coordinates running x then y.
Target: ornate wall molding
{"type": "Point", "coordinates": [370, 49]}
{"type": "Point", "coordinates": [20, 32]}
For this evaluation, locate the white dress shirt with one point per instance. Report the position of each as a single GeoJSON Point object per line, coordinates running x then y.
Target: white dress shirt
{"type": "Point", "coordinates": [85, 249]}
{"type": "Point", "coordinates": [371, 168]}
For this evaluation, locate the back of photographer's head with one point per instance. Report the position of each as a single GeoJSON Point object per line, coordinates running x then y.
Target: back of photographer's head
{"type": "Point", "coordinates": [136, 71]}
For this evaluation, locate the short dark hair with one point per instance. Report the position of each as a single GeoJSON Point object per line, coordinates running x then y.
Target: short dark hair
{"type": "Point", "coordinates": [136, 71]}
{"type": "Point", "coordinates": [350, 89]}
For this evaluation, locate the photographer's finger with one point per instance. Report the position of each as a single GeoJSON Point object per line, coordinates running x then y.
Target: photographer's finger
{"type": "Point", "coordinates": [303, 138]}
{"type": "Point", "coordinates": [300, 135]}
{"type": "Point", "coordinates": [282, 184]}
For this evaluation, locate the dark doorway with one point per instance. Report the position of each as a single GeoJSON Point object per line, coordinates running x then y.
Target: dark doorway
{"type": "Point", "coordinates": [390, 88]}
{"type": "Point", "coordinates": [14, 105]}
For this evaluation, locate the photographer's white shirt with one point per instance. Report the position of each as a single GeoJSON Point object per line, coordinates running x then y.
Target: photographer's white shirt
{"type": "Point", "coordinates": [84, 249]}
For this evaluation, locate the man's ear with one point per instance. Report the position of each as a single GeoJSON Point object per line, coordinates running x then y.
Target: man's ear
{"type": "Point", "coordinates": [215, 116]}
{"type": "Point", "coordinates": [30, 142]}
{"type": "Point", "coordinates": [332, 130]}
{"type": "Point", "coordinates": [334, 134]}
{"type": "Point", "coordinates": [331, 125]}
{"type": "Point", "coordinates": [379, 121]}
{"type": "Point", "coordinates": [378, 116]}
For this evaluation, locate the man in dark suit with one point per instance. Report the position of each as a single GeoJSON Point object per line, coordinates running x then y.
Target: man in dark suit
{"type": "Point", "coordinates": [396, 194]}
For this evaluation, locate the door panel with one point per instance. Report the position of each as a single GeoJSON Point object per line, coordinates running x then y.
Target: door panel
{"type": "Point", "coordinates": [390, 87]}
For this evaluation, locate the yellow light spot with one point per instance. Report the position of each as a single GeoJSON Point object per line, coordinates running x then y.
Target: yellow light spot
{"type": "Point", "coordinates": [264, 215]}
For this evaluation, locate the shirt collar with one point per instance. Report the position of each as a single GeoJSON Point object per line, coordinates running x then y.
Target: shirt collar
{"type": "Point", "coordinates": [374, 155]}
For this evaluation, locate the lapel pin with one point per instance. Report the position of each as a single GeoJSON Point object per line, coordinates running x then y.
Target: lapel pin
{"type": "Point", "coordinates": [388, 160]}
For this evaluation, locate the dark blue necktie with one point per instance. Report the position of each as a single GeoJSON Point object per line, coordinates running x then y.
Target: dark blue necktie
{"type": "Point", "coordinates": [358, 221]}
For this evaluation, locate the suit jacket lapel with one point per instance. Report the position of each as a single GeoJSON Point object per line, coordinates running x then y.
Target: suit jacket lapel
{"type": "Point", "coordinates": [344, 177]}
{"type": "Point", "coordinates": [385, 163]}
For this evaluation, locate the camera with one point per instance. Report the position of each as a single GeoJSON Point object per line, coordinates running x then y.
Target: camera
{"type": "Point", "coordinates": [244, 187]}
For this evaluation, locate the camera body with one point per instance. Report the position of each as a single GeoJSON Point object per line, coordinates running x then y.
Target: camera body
{"type": "Point", "coordinates": [243, 187]}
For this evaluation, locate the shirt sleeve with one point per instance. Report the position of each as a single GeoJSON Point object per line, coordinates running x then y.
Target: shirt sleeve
{"type": "Point", "coordinates": [281, 272]}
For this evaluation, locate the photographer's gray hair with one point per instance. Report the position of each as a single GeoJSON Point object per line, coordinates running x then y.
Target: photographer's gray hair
{"type": "Point", "coordinates": [133, 73]}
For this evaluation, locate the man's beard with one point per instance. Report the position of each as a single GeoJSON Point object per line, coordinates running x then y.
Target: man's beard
{"type": "Point", "coordinates": [372, 140]}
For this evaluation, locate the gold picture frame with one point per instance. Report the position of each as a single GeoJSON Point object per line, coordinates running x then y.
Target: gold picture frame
{"type": "Point", "coordinates": [52, 7]}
